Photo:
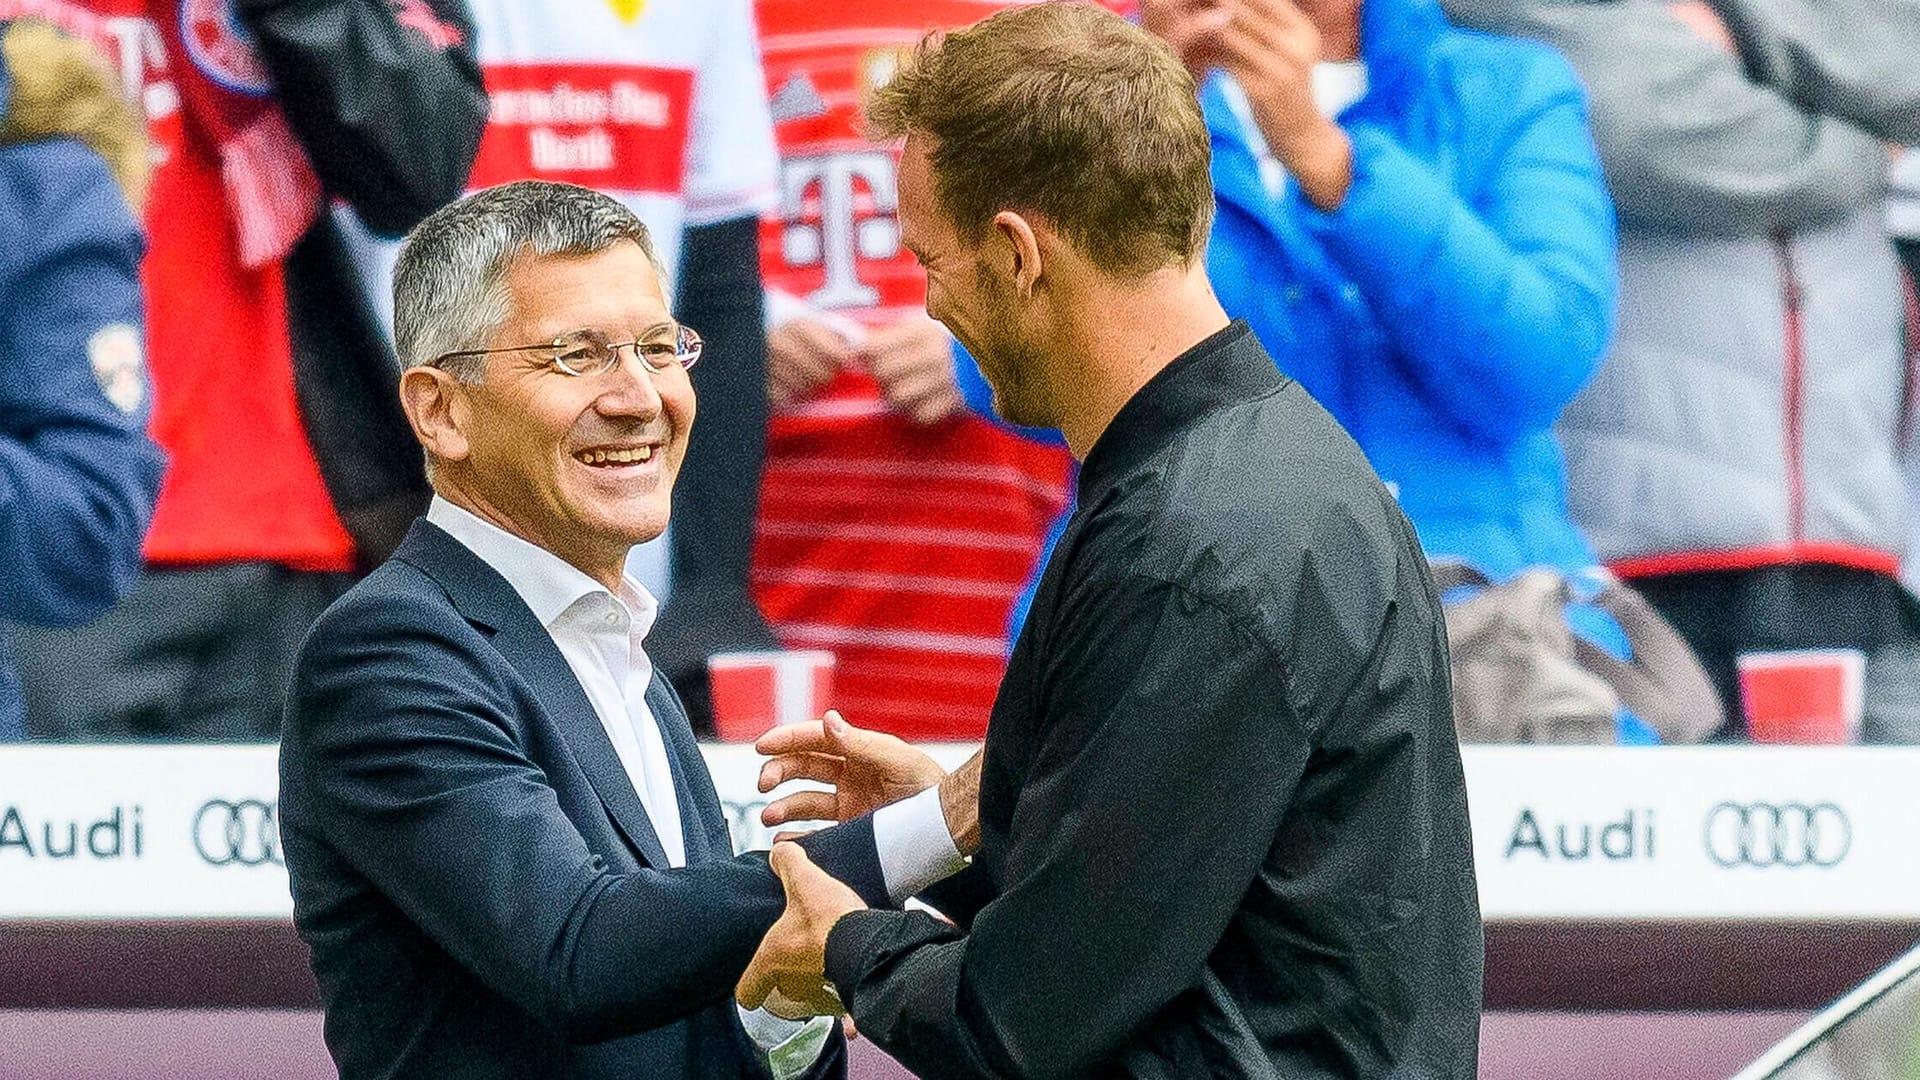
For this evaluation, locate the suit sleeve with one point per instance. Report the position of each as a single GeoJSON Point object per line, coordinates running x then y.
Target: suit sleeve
{"type": "Point", "coordinates": [961, 896]}
{"type": "Point", "coordinates": [1500, 303]}
{"type": "Point", "coordinates": [409, 765]}
{"type": "Point", "coordinates": [386, 98]}
{"type": "Point", "coordinates": [1151, 805]}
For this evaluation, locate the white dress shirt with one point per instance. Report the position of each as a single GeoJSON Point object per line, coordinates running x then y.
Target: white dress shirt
{"type": "Point", "coordinates": [600, 635]}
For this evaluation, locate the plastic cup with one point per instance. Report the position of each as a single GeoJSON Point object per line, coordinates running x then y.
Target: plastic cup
{"type": "Point", "coordinates": [754, 691]}
{"type": "Point", "coordinates": [1804, 696]}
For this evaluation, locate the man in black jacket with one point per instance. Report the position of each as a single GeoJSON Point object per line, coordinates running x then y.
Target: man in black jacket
{"type": "Point", "coordinates": [1220, 826]}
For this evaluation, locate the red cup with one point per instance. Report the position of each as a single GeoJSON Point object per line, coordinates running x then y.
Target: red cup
{"type": "Point", "coordinates": [1803, 696]}
{"type": "Point", "coordinates": [754, 691]}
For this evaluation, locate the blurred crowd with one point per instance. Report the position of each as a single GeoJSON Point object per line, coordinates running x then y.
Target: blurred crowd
{"type": "Point", "coordinates": [1618, 296]}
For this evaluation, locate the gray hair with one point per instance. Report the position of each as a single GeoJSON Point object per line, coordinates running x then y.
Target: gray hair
{"type": "Point", "coordinates": [449, 285]}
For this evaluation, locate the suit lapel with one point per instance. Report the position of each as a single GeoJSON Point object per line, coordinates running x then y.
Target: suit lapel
{"type": "Point", "coordinates": [531, 651]}
{"type": "Point", "coordinates": [485, 598]}
{"type": "Point", "coordinates": [702, 820]}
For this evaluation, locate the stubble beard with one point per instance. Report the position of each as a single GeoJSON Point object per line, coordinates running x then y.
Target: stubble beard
{"type": "Point", "coordinates": [1017, 396]}
{"type": "Point", "coordinates": [1013, 362]}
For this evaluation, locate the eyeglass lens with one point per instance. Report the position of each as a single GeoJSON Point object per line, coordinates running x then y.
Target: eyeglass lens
{"type": "Point", "coordinates": [590, 353]}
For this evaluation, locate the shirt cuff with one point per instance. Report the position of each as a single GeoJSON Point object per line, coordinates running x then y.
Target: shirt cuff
{"type": "Point", "coordinates": [787, 1047]}
{"type": "Point", "coordinates": [913, 844]}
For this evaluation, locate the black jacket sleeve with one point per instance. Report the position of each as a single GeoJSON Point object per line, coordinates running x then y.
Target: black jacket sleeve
{"type": "Point", "coordinates": [961, 896]}
{"type": "Point", "coordinates": [1150, 808]}
{"type": "Point", "coordinates": [718, 491]}
{"type": "Point", "coordinates": [386, 97]}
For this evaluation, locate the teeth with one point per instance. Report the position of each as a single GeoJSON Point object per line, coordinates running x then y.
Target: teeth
{"type": "Point", "coordinates": [617, 457]}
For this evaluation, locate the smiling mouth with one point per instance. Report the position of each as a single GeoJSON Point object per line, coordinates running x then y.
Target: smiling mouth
{"type": "Point", "coordinates": [636, 455]}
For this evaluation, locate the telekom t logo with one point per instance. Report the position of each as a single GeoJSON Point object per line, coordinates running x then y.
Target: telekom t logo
{"type": "Point", "coordinates": [842, 235]}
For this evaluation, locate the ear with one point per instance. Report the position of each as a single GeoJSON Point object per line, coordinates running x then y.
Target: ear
{"type": "Point", "coordinates": [437, 406]}
{"type": "Point", "coordinates": [1015, 233]}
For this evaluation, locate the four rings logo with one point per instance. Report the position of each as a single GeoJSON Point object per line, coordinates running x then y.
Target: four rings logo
{"type": "Point", "coordinates": [244, 833]}
{"type": "Point", "coordinates": [1778, 834]}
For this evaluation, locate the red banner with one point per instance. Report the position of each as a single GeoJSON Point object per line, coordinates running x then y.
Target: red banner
{"type": "Point", "coordinates": [606, 126]}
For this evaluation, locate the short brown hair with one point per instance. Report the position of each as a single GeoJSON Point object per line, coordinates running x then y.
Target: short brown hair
{"type": "Point", "coordinates": [1065, 111]}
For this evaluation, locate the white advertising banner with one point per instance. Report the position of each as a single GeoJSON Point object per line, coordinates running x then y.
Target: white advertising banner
{"type": "Point", "coordinates": [140, 832]}
{"type": "Point", "coordinates": [1741, 832]}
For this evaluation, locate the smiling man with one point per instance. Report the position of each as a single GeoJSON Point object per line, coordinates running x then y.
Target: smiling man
{"type": "Point", "coordinates": [505, 850]}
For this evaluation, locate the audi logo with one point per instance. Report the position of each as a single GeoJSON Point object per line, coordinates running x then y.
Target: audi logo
{"type": "Point", "coordinates": [1778, 834]}
{"type": "Point", "coordinates": [243, 833]}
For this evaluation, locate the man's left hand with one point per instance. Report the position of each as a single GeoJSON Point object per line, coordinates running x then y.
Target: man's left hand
{"type": "Point", "coordinates": [867, 770]}
{"type": "Point", "coordinates": [787, 972]}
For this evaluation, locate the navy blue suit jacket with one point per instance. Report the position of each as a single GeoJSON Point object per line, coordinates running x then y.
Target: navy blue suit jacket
{"type": "Point", "coordinates": [480, 886]}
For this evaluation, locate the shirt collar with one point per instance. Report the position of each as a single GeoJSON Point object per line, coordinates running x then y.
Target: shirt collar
{"type": "Point", "coordinates": [548, 584]}
{"type": "Point", "coordinates": [1228, 367]}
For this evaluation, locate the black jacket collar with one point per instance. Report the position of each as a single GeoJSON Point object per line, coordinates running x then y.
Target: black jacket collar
{"type": "Point", "coordinates": [1228, 367]}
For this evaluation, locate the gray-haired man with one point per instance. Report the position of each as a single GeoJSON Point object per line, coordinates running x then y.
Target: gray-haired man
{"type": "Point", "coordinates": [505, 850]}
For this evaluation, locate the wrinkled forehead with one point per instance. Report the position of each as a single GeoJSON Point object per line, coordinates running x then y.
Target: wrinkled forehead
{"type": "Point", "coordinates": [616, 290]}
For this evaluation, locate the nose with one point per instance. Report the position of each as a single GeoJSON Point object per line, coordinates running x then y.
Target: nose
{"type": "Point", "coordinates": [629, 389]}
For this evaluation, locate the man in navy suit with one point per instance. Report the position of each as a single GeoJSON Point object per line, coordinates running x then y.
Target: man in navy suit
{"type": "Point", "coordinates": [506, 853]}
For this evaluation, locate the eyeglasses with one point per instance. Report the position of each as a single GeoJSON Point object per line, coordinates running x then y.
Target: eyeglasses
{"type": "Point", "coordinates": [588, 352]}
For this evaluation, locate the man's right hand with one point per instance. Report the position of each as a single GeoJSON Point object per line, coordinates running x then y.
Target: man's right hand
{"type": "Point", "coordinates": [802, 356]}
{"type": "Point", "coordinates": [867, 770]}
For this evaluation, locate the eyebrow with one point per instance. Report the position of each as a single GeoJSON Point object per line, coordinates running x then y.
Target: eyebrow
{"type": "Point", "coordinates": [656, 328]}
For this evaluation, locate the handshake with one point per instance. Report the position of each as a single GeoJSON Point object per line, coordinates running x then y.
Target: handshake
{"type": "Point", "coordinates": [865, 770]}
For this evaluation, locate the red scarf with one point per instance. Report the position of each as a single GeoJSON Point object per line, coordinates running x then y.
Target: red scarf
{"type": "Point", "coordinates": [227, 96]}
{"type": "Point", "coordinates": [226, 93]}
